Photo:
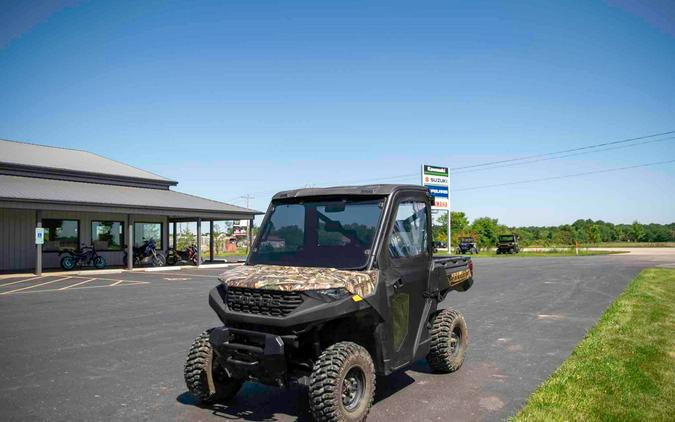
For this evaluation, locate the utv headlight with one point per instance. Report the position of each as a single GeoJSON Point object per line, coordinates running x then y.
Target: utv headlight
{"type": "Point", "coordinates": [328, 295]}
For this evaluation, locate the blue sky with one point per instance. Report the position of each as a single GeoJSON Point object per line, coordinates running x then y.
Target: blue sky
{"type": "Point", "coordinates": [240, 97]}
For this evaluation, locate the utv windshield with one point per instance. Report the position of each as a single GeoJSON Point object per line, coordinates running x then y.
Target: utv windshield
{"type": "Point", "coordinates": [319, 233]}
{"type": "Point", "coordinates": [506, 238]}
{"type": "Point", "coordinates": [467, 240]}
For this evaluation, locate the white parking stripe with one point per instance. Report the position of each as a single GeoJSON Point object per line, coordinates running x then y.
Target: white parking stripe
{"type": "Point", "coordinates": [195, 275]}
{"type": "Point", "coordinates": [127, 283]}
{"type": "Point", "coordinates": [20, 281]}
{"type": "Point", "coordinates": [77, 284]}
{"type": "Point", "coordinates": [35, 285]}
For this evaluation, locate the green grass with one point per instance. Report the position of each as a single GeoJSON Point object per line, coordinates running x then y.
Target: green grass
{"type": "Point", "coordinates": [612, 245]}
{"type": "Point", "coordinates": [624, 369]}
{"type": "Point", "coordinates": [553, 253]}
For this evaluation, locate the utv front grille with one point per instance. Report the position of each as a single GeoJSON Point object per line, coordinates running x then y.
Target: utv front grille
{"type": "Point", "coordinates": [262, 302]}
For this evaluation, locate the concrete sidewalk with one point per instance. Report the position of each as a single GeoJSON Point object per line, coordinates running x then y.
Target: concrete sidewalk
{"type": "Point", "coordinates": [94, 271]}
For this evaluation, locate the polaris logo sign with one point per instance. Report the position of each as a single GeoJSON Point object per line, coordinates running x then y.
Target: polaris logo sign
{"type": "Point", "coordinates": [438, 191]}
{"type": "Point", "coordinates": [260, 302]}
{"type": "Point", "coordinates": [437, 179]}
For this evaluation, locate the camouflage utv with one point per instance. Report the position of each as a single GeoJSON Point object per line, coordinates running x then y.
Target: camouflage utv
{"type": "Point", "coordinates": [340, 285]}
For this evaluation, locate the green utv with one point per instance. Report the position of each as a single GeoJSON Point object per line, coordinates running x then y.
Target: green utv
{"type": "Point", "coordinates": [507, 243]}
{"type": "Point", "coordinates": [340, 286]}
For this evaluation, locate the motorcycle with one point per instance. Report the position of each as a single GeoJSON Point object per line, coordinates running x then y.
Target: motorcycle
{"type": "Point", "coordinates": [147, 253]}
{"type": "Point", "coordinates": [189, 254]}
{"type": "Point", "coordinates": [86, 255]}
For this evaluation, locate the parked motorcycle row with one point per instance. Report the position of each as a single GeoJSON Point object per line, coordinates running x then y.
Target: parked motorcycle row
{"type": "Point", "coordinates": [146, 254]}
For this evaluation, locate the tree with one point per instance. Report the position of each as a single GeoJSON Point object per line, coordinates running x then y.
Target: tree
{"type": "Point", "coordinates": [594, 233]}
{"type": "Point", "coordinates": [185, 238]}
{"type": "Point", "coordinates": [565, 235]}
{"type": "Point", "coordinates": [440, 226]}
{"type": "Point", "coordinates": [486, 229]}
{"type": "Point", "coordinates": [459, 224]}
{"type": "Point", "coordinates": [637, 231]}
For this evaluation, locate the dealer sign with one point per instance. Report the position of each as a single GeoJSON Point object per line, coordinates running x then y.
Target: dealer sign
{"type": "Point", "coordinates": [438, 181]}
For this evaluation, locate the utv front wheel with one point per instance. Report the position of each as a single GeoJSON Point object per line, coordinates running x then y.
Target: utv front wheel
{"type": "Point", "coordinates": [204, 378]}
{"type": "Point", "coordinates": [342, 385]}
{"type": "Point", "coordinates": [449, 338]}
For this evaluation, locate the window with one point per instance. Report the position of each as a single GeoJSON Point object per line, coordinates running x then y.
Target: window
{"type": "Point", "coordinates": [341, 225]}
{"type": "Point", "coordinates": [147, 231]}
{"type": "Point", "coordinates": [107, 235]}
{"type": "Point", "coordinates": [61, 234]}
{"type": "Point", "coordinates": [285, 232]}
{"type": "Point", "coordinates": [319, 233]}
{"type": "Point", "coordinates": [409, 235]}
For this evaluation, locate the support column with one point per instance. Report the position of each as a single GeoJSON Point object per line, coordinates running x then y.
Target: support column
{"type": "Point", "coordinates": [38, 248]}
{"type": "Point", "coordinates": [175, 225]}
{"type": "Point", "coordinates": [130, 243]}
{"type": "Point", "coordinates": [249, 234]}
{"type": "Point", "coordinates": [165, 237]}
{"type": "Point", "coordinates": [211, 240]}
{"type": "Point", "coordinates": [199, 241]}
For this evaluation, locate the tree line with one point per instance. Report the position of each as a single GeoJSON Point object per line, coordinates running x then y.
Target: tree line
{"type": "Point", "coordinates": [485, 231]}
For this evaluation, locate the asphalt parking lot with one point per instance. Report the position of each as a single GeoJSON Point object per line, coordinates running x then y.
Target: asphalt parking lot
{"type": "Point", "coordinates": [111, 347]}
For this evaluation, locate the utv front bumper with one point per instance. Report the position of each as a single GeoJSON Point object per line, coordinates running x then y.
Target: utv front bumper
{"type": "Point", "coordinates": [248, 354]}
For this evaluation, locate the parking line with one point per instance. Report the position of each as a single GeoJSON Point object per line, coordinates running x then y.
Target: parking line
{"type": "Point", "coordinates": [128, 283]}
{"type": "Point", "coordinates": [77, 284]}
{"type": "Point", "coordinates": [197, 275]}
{"type": "Point", "coordinates": [21, 281]}
{"type": "Point", "coordinates": [35, 285]}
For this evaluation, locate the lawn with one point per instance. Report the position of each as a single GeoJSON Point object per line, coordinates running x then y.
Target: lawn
{"type": "Point", "coordinates": [612, 245]}
{"type": "Point", "coordinates": [552, 253]}
{"type": "Point", "coordinates": [624, 369]}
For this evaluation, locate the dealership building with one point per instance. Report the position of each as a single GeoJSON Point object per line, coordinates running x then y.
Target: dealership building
{"type": "Point", "coordinates": [76, 198]}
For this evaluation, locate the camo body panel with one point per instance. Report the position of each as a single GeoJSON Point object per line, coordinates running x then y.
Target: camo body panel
{"type": "Point", "coordinates": [285, 278]}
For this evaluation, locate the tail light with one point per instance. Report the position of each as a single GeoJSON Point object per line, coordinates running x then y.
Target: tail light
{"type": "Point", "coordinates": [471, 267]}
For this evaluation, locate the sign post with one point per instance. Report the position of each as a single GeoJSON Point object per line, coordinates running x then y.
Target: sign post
{"type": "Point", "coordinates": [437, 179]}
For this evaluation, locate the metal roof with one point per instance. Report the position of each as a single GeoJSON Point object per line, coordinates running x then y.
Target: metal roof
{"type": "Point", "coordinates": [365, 190]}
{"type": "Point", "coordinates": [104, 197]}
{"type": "Point", "coordinates": [47, 157]}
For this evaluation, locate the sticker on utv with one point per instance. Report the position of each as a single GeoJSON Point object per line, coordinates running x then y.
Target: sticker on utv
{"type": "Point", "coordinates": [275, 277]}
{"type": "Point", "coordinates": [459, 276]}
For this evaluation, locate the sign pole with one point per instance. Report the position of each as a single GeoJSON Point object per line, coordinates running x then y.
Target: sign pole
{"type": "Point", "coordinates": [449, 217]}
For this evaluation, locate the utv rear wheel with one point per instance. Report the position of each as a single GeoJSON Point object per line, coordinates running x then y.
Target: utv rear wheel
{"type": "Point", "coordinates": [342, 385]}
{"type": "Point", "coordinates": [449, 338]}
{"type": "Point", "coordinates": [204, 378]}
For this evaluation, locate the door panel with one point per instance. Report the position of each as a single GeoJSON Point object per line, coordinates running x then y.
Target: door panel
{"type": "Point", "coordinates": [409, 258]}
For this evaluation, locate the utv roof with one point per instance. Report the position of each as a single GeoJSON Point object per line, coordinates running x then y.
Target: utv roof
{"type": "Point", "coordinates": [366, 190]}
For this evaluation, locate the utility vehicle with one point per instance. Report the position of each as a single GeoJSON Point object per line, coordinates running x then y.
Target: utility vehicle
{"type": "Point", "coordinates": [340, 285]}
{"type": "Point", "coordinates": [467, 245]}
{"type": "Point", "coordinates": [507, 243]}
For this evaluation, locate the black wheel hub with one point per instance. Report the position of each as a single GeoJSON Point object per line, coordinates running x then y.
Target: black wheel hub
{"type": "Point", "coordinates": [353, 386]}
